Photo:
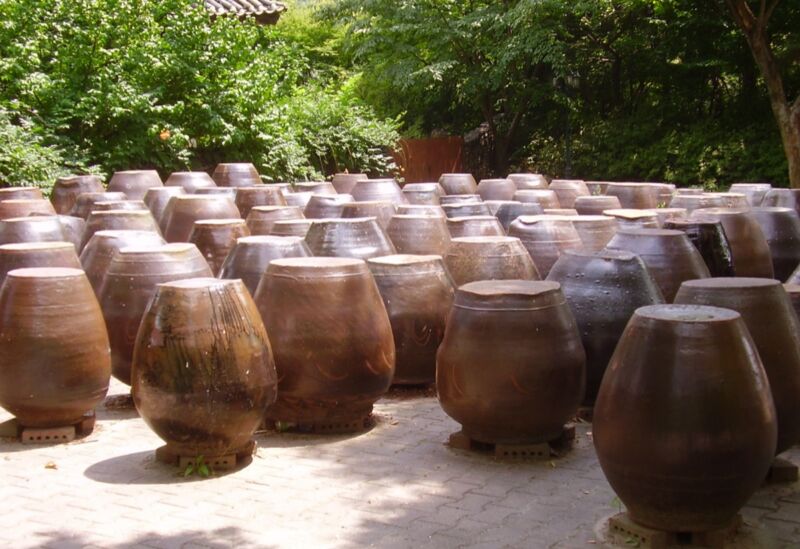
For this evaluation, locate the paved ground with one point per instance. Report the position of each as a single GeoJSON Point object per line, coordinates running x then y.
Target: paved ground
{"type": "Point", "coordinates": [395, 486]}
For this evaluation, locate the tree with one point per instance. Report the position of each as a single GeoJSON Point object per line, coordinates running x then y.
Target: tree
{"type": "Point", "coordinates": [754, 23]}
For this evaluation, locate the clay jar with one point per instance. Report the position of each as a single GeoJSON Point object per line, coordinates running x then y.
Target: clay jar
{"type": "Point", "coordinates": [323, 206]}
{"type": "Point", "coordinates": [21, 193]}
{"type": "Point", "coordinates": [183, 210]}
{"type": "Point", "coordinates": [684, 425]}
{"type": "Point", "coordinates": [236, 174]}
{"type": "Point", "coordinates": [417, 293]}
{"type": "Point", "coordinates": [475, 258]}
{"type": "Point", "coordinates": [342, 361]}
{"type": "Point", "coordinates": [773, 324]}
{"type": "Point", "coordinates": [230, 192]}
{"type": "Point", "coordinates": [782, 198]}
{"type": "Point", "coordinates": [596, 205]}
{"type": "Point", "coordinates": [85, 201]}
{"type": "Point", "coordinates": [634, 219]}
{"type": "Point", "coordinates": [203, 371]}
{"type": "Point", "coordinates": [360, 238]}
{"type": "Point", "coordinates": [477, 225]}
{"type": "Point", "coordinates": [67, 189]}
{"type": "Point", "coordinates": [418, 234]}
{"type": "Point", "coordinates": [458, 183]}
{"type": "Point", "coordinates": [641, 196]}
{"type": "Point", "coordinates": [691, 202]}
{"type": "Point", "coordinates": [249, 258]}
{"type": "Point", "coordinates": [378, 189]}
{"type": "Point", "coordinates": [344, 182]}
{"type": "Point", "coordinates": [215, 238]}
{"type": "Point", "coordinates": [459, 199]}
{"type": "Point", "coordinates": [98, 252]}
{"type": "Point", "coordinates": [781, 228]}
{"type": "Point", "coordinates": [603, 289]}
{"type": "Point", "coordinates": [669, 256]}
{"type": "Point", "coordinates": [545, 238]}
{"type": "Point", "coordinates": [157, 199]}
{"type": "Point", "coordinates": [793, 291]}
{"type": "Point", "coordinates": [291, 227]}
{"type": "Point", "coordinates": [499, 373]}
{"type": "Point", "coordinates": [73, 229]}
{"type": "Point", "coordinates": [24, 206]}
{"type": "Point", "coordinates": [568, 190]}
{"type": "Point", "coordinates": [595, 231]}
{"type": "Point", "coordinates": [751, 255]}
{"type": "Point", "coordinates": [315, 187]}
{"type": "Point", "coordinates": [106, 205]}
{"type": "Point", "coordinates": [423, 193]}
{"type": "Point", "coordinates": [134, 183]}
{"type": "Point", "coordinates": [190, 181]}
{"type": "Point", "coordinates": [119, 220]}
{"type": "Point", "coordinates": [31, 229]}
{"type": "Point", "coordinates": [382, 210]}
{"type": "Point", "coordinates": [263, 195]}
{"type": "Point", "coordinates": [37, 254]}
{"type": "Point", "coordinates": [795, 278]}
{"type": "Point", "coordinates": [299, 200]}
{"type": "Point", "coordinates": [509, 211]}
{"type": "Point", "coordinates": [420, 209]}
{"type": "Point", "coordinates": [670, 214]}
{"type": "Point", "coordinates": [54, 357]}
{"type": "Point", "coordinates": [710, 240]}
{"type": "Point", "coordinates": [496, 189]}
{"type": "Point", "coordinates": [544, 197]}
{"type": "Point", "coordinates": [466, 209]}
{"type": "Point", "coordinates": [753, 192]}
{"type": "Point", "coordinates": [528, 180]}
{"type": "Point", "coordinates": [128, 286]}
{"type": "Point", "coordinates": [261, 218]}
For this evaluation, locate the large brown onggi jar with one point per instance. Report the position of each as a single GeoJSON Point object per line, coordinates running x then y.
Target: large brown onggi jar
{"type": "Point", "coordinates": [496, 189]}
{"type": "Point", "coordinates": [84, 202]}
{"type": "Point", "coordinates": [32, 229]}
{"type": "Point", "coordinates": [299, 199]}
{"type": "Point", "coordinates": [596, 204]}
{"type": "Point", "coordinates": [768, 313]}
{"type": "Point", "coordinates": [249, 258]}
{"type": "Point", "coordinates": [782, 198]}
{"type": "Point", "coordinates": [23, 193]}
{"type": "Point", "coordinates": [543, 197]}
{"type": "Point", "coordinates": [54, 355]}
{"type": "Point", "coordinates": [710, 240]}
{"type": "Point", "coordinates": [190, 181]}
{"type": "Point", "coordinates": [669, 255]}
{"type": "Point", "coordinates": [99, 251]}
{"type": "Point", "coordinates": [157, 199]}
{"type": "Point", "coordinates": [37, 254]}
{"type": "Point", "coordinates": [528, 180]}
{"type": "Point", "coordinates": [128, 286]}
{"type": "Point", "coordinates": [474, 258]}
{"type": "Point", "coordinates": [684, 426]}
{"type": "Point", "coordinates": [236, 174]}
{"type": "Point", "coordinates": [418, 294]}
{"type": "Point", "coordinates": [291, 227]}
{"type": "Point", "coordinates": [639, 196]}
{"type": "Point", "coordinates": [215, 238]}
{"type": "Point", "coordinates": [458, 183]}
{"type": "Point", "coordinates": [378, 189]}
{"type": "Point", "coordinates": [67, 188]}
{"type": "Point", "coordinates": [603, 289]}
{"type": "Point", "coordinates": [344, 182]}
{"type": "Point", "coordinates": [753, 192]}
{"type": "Point", "coordinates": [323, 206]}
{"type": "Point", "coordinates": [545, 238]}
{"type": "Point", "coordinates": [134, 183]}
{"type": "Point", "coordinates": [568, 190]}
{"type": "Point", "coordinates": [315, 187]}
{"type": "Point", "coordinates": [342, 361]}
{"type": "Point", "coordinates": [21, 207]}
{"type": "Point", "coordinates": [203, 371]}
{"type": "Point", "coordinates": [423, 193]}
{"type": "Point", "coordinates": [511, 367]}
{"type": "Point", "coordinates": [262, 195]}
{"type": "Point", "coordinates": [261, 218]}
{"type": "Point", "coordinates": [781, 228]}
{"type": "Point", "coordinates": [508, 211]}
{"type": "Point", "coordinates": [382, 210]}
{"type": "Point", "coordinates": [595, 231]}
{"type": "Point", "coordinates": [119, 220]}
{"type": "Point", "coordinates": [419, 234]}
{"type": "Point", "coordinates": [183, 210]}
{"type": "Point", "coordinates": [475, 225]}
{"type": "Point", "coordinates": [360, 237]}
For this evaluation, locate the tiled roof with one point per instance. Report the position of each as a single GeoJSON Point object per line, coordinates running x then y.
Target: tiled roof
{"type": "Point", "coordinates": [245, 7]}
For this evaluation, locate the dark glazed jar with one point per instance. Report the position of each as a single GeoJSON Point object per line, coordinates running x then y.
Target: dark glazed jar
{"type": "Point", "coordinates": [203, 371]}
{"type": "Point", "coordinates": [474, 258]}
{"type": "Point", "coordinates": [262, 218]}
{"type": "Point", "coordinates": [128, 286]}
{"type": "Point", "coordinates": [215, 238]}
{"type": "Point", "coordinates": [32, 229]}
{"type": "Point", "coordinates": [509, 211]}
{"type": "Point", "coordinates": [419, 234]}
{"type": "Point", "coordinates": [782, 198]}
{"type": "Point", "coordinates": [249, 258]}
{"type": "Point", "coordinates": [263, 195]}
{"type": "Point", "coordinates": [684, 426]}
{"type": "Point", "coordinates": [382, 210]}
{"type": "Point", "coordinates": [236, 174]}
{"type": "Point", "coordinates": [475, 225]}
{"type": "Point", "coordinates": [54, 357]}
{"type": "Point", "coordinates": [568, 190]}
{"type": "Point", "coordinates": [190, 181]}
{"type": "Point", "coordinates": [768, 313]}
{"type": "Point", "coordinates": [710, 240]}
{"type": "Point", "coordinates": [99, 251]}
{"type": "Point", "coordinates": [545, 238]}
{"type": "Point", "coordinates": [342, 361]}
{"type": "Point", "coordinates": [596, 204]}
{"type": "Point", "coordinates": [21, 207]}
{"type": "Point", "coordinates": [67, 189]}
{"type": "Point", "coordinates": [543, 197]}
{"type": "Point", "coordinates": [183, 210]}
{"type": "Point", "coordinates": [134, 183]}
{"type": "Point", "coordinates": [323, 206]}
{"type": "Point", "coordinates": [603, 289]}
{"type": "Point", "coordinates": [511, 368]}
{"type": "Point", "coordinates": [753, 192]}
{"type": "Point", "coordinates": [37, 254]}
{"type": "Point", "coordinates": [157, 199]}
{"type": "Point", "coordinates": [344, 182]}
{"type": "Point", "coordinates": [669, 256]}
{"type": "Point", "coordinates": [781, 228]}
{"type": "Point", "coordinates": [418, 294]}
{"type": "Point", "coordinates": [119, 220]}
{"type": "Point", "coordinates": [360, 238]}
{"type": "Point", "coordinates": [423, 193]}
{"type": "Point", "coordinates": [458, 183]}
{"type": "Point", "coordinates": [496, 189]}
{"type": "Point", "coordinates": [751, 255]}
{"type": "Point", "coordinates": [528, 180]}
{"type": "Point", "coordinates": [85, 201]}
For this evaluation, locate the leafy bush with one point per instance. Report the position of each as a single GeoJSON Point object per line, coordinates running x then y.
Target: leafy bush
{"type": "Point", "coordinates": [159, 84]}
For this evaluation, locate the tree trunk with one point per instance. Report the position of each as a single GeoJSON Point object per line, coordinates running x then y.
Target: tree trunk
{"type": "Point", "coordinates": [786, 115]}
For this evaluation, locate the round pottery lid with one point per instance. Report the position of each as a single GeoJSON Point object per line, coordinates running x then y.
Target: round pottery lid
{"type": "Point", "coordinates": [317, 267]}
{"type": "Point", "coordinates": [218, 222]}
{"type": "Point", "coordinates": [31, 246]}
{"type": "Point", "coordinates": [509, 295]}
{"type": "Point", "coordinates": [46, 272]}
{"type": "Point", "coordinates": [731, 284]}
{"type": "Point", "coordinates": [687, 313]}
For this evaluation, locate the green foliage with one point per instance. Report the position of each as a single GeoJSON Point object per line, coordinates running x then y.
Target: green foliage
{"type": "Point", "coordinates": [198, 467]}
{"type": "Point", "coordinates": [158, 83]}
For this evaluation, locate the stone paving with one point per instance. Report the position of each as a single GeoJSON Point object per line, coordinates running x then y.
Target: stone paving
{"type": "Point", "coordinates": [397, 485]}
